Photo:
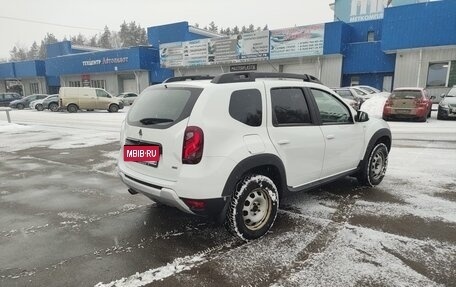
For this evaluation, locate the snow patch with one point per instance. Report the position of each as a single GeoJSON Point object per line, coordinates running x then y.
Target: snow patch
{"type": "Point", "coordinates": [374, 106]}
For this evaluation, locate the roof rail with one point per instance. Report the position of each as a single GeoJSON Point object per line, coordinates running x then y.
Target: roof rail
{"type": "Point", "coordinates": [188, 78]}
{"type": "Point", "coordinates": [252, 76]}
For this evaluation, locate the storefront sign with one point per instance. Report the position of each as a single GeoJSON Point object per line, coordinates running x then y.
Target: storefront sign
{"type": "Point", "coordinates": [222, 50]}
{"type": "Point", "coordinates": [85, 80]}
{"type": "Point", "coordinates": [171, 55]}
{"type": "Point", "coordinates": [243, 68]}
{"type": "Point", "coordinates": [254, 45]}
{"type": "Point", "coordinates": [195, 52]}
{"type": "Point", "coordinates": [297, 42]}
{"type": "Point", "coordinates": [105, 61]}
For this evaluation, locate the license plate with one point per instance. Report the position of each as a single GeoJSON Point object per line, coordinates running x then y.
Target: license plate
{"type": "Point", "coordinates": [403, 112]}
{"type": "Point", "coordinates": [142, 153]}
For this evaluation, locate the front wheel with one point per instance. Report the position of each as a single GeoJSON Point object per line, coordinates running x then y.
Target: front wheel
{"type": "Point", "coordinates": [373, 171]}
{"type": "Point", "coordinates": [113, 108]}
{"type": "Point", "coordinates": [39, 107]}
{"type": "Point", "coordinates": [20, 106]}
{"type": "Point", "coordinates": [54, 107]}
{"type": "Point", "coordinates": [253, 207]}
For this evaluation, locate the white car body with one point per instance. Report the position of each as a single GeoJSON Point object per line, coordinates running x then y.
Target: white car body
{"type": "Point", "coordinates": [34, 103]}
{"type": "Point", "coordinates": [306, 154]}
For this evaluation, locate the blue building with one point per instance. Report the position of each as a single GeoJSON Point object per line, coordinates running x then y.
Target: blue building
{"type": "Point", "coordinates": [381, 43]}
{"type": "Point", "coordinates": [118, 70]}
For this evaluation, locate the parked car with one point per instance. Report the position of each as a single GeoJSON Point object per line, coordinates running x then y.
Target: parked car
{"type": "Point", "coordinates": [369, 89]}
{"type": "Point", "coordinates": [7, 98]}
{"type": "Point", "coordinates": [360, 93]}
{"type": "Point", "coordinates": [128, 98]}
{"type": "Point", "coordinates": [408, 103]}
{"type": "Point", "coordinates": [447, 106]}
{"type": "Point", "coordinates": [34, 103]}
{"type": "Point", "coordinates": [51, 102]}
{"type": "Point", "coordinates": [231, 147]}
{"type": "Point", "coordinates": [78, 98]}
{"type": "Point", "coordinates": [25, 101]}
{"type": "Point", "coordinates": [350, 97]}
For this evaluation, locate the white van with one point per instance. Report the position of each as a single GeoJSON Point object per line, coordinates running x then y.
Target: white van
{"type": "Point", "coordinates": [84, 98]}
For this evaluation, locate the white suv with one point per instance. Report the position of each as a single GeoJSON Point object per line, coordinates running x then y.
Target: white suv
{"type": "Point", "coordinates": [232, 146]}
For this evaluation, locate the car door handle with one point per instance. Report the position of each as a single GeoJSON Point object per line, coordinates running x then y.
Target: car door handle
{"type": "Point", "coordinates": [330, 137]}
{"type": "Point", "coordinates": [283, 142]}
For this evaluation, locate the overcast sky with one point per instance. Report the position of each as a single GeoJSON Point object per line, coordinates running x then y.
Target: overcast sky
{"type": "Point", "coordinates": [96, 14]}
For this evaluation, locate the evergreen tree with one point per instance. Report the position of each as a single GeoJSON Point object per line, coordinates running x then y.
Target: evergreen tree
{"type": "Point", "coordinates": [34, 52]}
{"type": "Point", "coordinates": [213, 27]}
{"type": "Point", "coordinates": [48, 39]}
{"type": "Point", "coordinates": [105, 39]}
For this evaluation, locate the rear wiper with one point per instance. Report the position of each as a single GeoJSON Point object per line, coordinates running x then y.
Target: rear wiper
{"type": "Point", "coordinates": [154, 121]}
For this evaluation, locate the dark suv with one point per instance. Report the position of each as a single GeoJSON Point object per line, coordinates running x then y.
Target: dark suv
{"type": "Point", "coordinates": [7, 98]}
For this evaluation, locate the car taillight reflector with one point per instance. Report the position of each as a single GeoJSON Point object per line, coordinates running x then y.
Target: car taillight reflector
{"type": "Point", "coordinates": [192, 150]}
{"type": "Point", "coordinates": [194, 204]}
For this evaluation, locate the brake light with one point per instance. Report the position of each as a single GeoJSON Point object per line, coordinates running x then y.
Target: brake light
{"type": "Point", "coordinates": [192, 150]}
{"type": "Point", "coordinates": [420, 103]}
{"type": "Point", "coordinates": [388, 103]}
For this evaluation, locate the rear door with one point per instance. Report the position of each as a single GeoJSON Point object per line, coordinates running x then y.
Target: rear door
{"type": "Point", "coordinates": [294, 134]}
{"type": "Point", "coordinates": [160, 118]}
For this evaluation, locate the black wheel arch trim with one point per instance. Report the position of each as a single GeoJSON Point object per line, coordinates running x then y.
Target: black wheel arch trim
{"type": "Point", "coordinates": [375, 137]}
{"type": "Point", "coordinates": [250, 163]}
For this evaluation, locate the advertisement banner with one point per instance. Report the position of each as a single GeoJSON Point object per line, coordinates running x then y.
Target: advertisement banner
{"type": "Point", "coordinates": [297, 41]}
{"type": "Point", "coordinates": [195, 52]}
{"type": "Point", "coordinates": [223, 50]}
{"type": "Point", "coordinates": [254, 45]}
{"type": "Point", "coordinates": [171, 55]}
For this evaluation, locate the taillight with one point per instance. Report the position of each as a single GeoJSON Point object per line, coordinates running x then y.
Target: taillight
{"type": "Point", "coordinates": [388, 103]}
{"type": "Point", "coordinates": [420, 103]}
{"type": "Point", "coordinates": [192, 150]}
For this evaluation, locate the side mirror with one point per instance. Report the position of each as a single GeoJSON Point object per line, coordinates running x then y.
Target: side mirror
{"type": "Point", "coordinates": [443, 95]}
{"type": "Point", "coordinates": [432, 97]}
{"type": "Point", "coordinates": [361, 117]}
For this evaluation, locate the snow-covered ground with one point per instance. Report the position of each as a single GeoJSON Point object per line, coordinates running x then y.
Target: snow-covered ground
{"type": "Point", "coordinates": [401, 233]}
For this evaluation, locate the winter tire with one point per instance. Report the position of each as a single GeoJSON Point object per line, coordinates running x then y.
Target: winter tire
{"type": "Point", "coordinates": [20, 106]}
{"type": "Point", "coordinates": [113, 108]}
{"type": "Point", "coordinates": [39, 107]}
{"type": "Point", "coordinates": [253, 207]}
{"type": "Point", "coordinates": [54, 107]}
{"type": "Point", "coordinates": [374, 169]}
{"type": "Point", "coordinates": [72, 108]}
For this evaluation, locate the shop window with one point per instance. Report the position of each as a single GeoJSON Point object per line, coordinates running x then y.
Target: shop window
{"type": "Point", "coordinates": [370, 36]}
{"type": "Point", "coordinates": [437, 74]}
{"type": "Point", "coordinates": [98, 84]}
{"type": "Point", "coordinates": [74, 83]}
{"type": "Point", "coordinates": [34, 88]}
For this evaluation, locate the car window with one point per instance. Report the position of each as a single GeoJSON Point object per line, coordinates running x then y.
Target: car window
{"type": "Point", "coordinates": [246, 107]}
{"type": "Point", "coordinates": [360, 92]}
{"type": "Point", "coordinates": [452, 93]}
{"type": "Point", "coordinates": [160, 107]}
{"type": "Point", "coordinates": [406, 94]}
{"type": "Point", "coordinates": [289, 107]}
{"type": "Point", "coordinates": [345, 94]}
{"type": "Point", "coordinates": [9, 97]}
{"type": "Point", "coordinates": [332, 111]}
{"type": "Point", "coordinates": [103, 94]}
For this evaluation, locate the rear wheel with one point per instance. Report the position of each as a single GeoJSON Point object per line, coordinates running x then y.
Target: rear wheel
{"type": "Point", "coordinates": [54, 107]}
{"type": "Point", "coordinates": [253, 207]}
{"type": "Point", "coordinates": [39, 107]}
{"type": "Point", "coordinates": [373, 170]}
{"type": "Point", "coordinates": [113, 108]}
{"type": "Point", "coordinates": [72, 108]}
{"type": "Point", "coordinates": [439, 116]}
{"type": "Point", "coordinates": [20, 106]}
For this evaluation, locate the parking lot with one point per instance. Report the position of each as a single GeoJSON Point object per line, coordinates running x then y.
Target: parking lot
{"type": "Point", "coordinates": [67, 220]}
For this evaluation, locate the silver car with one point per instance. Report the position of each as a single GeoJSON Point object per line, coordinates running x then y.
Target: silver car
{"type": "Point", "coordinates": [128, 98]}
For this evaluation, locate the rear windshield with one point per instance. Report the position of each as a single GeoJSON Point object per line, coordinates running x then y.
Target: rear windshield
{"type": "Point", "coordinates": [406, 94]}
{"type": "Point", "coordinates": [161, 107]}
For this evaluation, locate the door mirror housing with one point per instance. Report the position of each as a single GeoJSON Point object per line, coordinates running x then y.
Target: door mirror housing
{"type": "Point", "coordinates": [361, 117]}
